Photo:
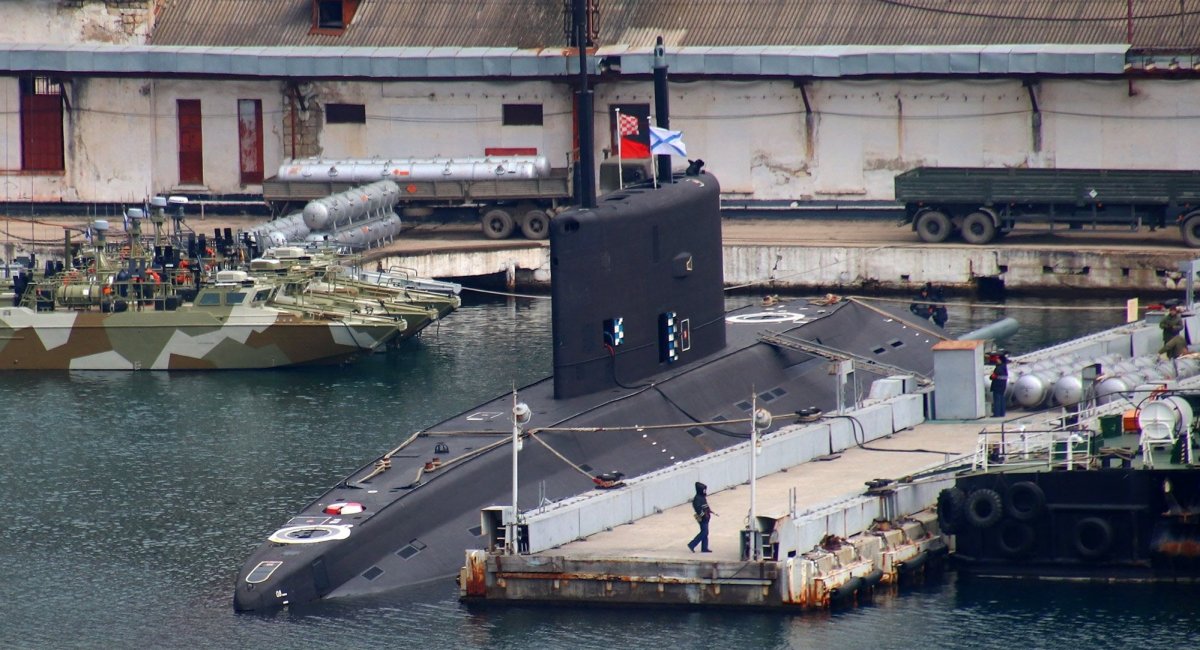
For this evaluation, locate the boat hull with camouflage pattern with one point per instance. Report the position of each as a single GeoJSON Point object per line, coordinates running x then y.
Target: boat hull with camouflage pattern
{"type": "Point", "coordinates": [184, 339]}
{"type": "Point", "coordinates": [233, 324]}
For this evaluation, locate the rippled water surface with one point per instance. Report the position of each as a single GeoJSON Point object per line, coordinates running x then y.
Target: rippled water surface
{"type": "Point", "coordinates": [131, 499]}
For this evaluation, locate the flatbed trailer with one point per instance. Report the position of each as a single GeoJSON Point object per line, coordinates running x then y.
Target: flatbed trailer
{"type": "Point", "coordinates": [504, 205]}
{"type": "Point", "coordinates": [982, 204]}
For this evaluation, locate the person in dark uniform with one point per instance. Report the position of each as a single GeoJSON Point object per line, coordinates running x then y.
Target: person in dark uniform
{"type": "Point", "coordinates": [999, 384]}
{"type": "Point", "coordinates": [1174, 348]}
{"type": "Point", "coordinates": [702, 513]}
{"type": "Point", "coordinates": [1172, 323]}
{"type": "Point", "coordinates": [928, 305]}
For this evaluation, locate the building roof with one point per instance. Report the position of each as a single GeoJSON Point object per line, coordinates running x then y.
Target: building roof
{"type": "Point", "coordinates": [461, 63]}
{"type": "Point", "coordinates": [531, 24]}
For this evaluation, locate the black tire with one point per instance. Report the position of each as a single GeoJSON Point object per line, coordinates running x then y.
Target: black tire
{"type": "Point", "coordinates": [498, 224]}
{"type": "Point", "coordinates": [1190, 230]}
{"type": "Point", "coordinates": [978, 228]}
{"type": "Point", "coordinates": [1093, 538]}
{"type": "Point", "coordinates": [950, 509]}
{"type": "Point", "coordinates": [536, 225]}
{"type": "Point", "coordinates": [984, 508]}
{"type": "Point", "coordinates": [933, 227]}
{"type": "Point", "coordinates": [1015, 538]}
{"type": "Point", "coordinates": [1025, 501]}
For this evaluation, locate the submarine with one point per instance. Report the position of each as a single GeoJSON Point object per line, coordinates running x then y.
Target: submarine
{"type": "Point", "coordinates": [647, 365]}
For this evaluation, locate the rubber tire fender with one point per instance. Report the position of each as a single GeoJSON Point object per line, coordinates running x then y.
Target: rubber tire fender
{"type": "Point", "coordinates": [1025, 501]}
{"type": "Point", "coordinates": [1015, 538]}
{"type": "Point", "coordinates": [950, 509]}
{"type": "Point", "coordinates": [984, 508]}
{"type": "Point", "coordinates": [1092, 537]}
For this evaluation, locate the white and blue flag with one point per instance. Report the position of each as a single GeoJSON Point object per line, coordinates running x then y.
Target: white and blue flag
{"type": "Point", "coordinates": [665, 142]}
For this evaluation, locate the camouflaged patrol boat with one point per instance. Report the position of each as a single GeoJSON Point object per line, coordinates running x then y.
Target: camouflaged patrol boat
{"type": "Point", "coordinates": [77, 321]}
{"type": "Point", "coordinates": [318, 280]}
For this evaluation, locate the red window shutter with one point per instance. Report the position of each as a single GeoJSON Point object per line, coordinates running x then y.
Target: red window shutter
{"type": "Point", "coordinates": [191, 142]}
{"type": "Point", "coordinates": [42, 133]}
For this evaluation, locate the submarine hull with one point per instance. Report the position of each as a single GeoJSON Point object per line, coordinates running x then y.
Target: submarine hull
{"type": "Point", "coordinates": [641, 338]}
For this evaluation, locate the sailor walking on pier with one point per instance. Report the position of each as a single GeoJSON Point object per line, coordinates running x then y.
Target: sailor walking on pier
{"type": "Point", "coordinates": [703, 513]}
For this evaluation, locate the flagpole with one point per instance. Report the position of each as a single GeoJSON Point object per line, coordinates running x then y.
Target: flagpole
{"type": "Point", "coordinates": [620, 167]}
{"type": "Point", "coordinates": [653, 170]}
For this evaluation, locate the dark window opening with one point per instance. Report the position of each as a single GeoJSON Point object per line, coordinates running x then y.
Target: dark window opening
{"type": "Point", "coordinates": [332, 16]}
{"type": "Point", "coordinates": [345, 114]}
{"type": "Point", "coordinates": [41, 124]}
{"type": "Point", "coordinates": [329, 14]}
{"type": "Point", "coordinates": [522, 114]}
{"type": "Point", "coordinates": [372, 573]}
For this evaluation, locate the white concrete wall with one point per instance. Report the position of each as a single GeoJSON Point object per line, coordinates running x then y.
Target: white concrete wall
{"type": "Point", "coordinates": [46, 21]}
{"type": "Point", "coordinates": [123, 140]}
{"type": "Point", "coordinates": [438, 119]}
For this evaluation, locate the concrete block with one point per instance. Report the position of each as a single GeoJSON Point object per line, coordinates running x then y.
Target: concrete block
{"type": "Point", "coordinates": [914, 530]}
{"type": "Point", "coordinates": [892, 538]}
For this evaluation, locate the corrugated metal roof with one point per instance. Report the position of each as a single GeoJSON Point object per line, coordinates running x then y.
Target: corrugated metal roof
{"type": "Point", "coordinates": [455, 62]}
{"type": "Point", "coordinates": [688, 23]}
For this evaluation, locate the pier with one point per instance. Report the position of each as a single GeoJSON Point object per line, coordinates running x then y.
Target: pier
{"type": "Point", "coordinates": [799, 255]}
{"type": "Point", "coordinates": [826, 537]}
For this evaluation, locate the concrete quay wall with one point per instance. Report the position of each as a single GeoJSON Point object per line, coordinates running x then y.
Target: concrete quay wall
{"type": "Point", "coordinates": [899, 268]}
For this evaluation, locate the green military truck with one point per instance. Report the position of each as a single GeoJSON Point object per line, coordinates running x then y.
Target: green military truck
{"type": "Point", "coordinates": [982, 204]}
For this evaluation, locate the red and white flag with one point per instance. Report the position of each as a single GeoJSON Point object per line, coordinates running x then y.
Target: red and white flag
{"type": "Point", "coordinates": [627, 124]}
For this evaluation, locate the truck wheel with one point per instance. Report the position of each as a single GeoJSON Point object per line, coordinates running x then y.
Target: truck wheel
{"type": "Point", "coordinates": [498, 224]}
{"type": "Point", "coordinates": [978, 228]}
{"type": "Point", "coordinates": [1190, 229]}
{"type": "Point", "coordinates": [933, 227]}
{"type": "Point", "coordinates": [536, 225]}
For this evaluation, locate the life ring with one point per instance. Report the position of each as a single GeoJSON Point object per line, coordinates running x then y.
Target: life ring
{"type": "Point", "coordinates": [984, 508]}
{"type": "Point", "coordinates": [1015, 538]}
{"type": "Point", "coordinates": [1025, 501]}
{"type": "Point", "coordinates": [1092, 537]}
{"type": "Point", "coordinates": [344, 508]}
{"type": "Point", "coordinates": [950, 509]}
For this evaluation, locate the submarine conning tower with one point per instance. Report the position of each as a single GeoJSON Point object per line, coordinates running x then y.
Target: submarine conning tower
{"type": "Point", "coordinates": [637, 285]}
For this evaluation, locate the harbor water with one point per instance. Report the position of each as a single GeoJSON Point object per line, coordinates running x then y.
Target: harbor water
{"type": "Point", "coordinates": [131, 499]}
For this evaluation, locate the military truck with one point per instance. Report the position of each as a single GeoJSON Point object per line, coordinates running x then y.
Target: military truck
{"type": "Point", "coordinates": [982, 204]}
{"type": "Point", "coordinates": [509, 194]}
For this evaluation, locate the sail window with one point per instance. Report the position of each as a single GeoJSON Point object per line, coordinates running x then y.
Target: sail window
{"type": "Point", "coordinates": [208, 299]}
{"type": "Point", "coordinates": [372, 573]}
{"type": "Point", "coordinates": [235, 298]}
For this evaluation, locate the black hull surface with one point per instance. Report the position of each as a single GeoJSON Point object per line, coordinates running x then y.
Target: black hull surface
{"type": "Point", "coordinates": [1109, 524]}
{"type": "Point", "coordinates": [419, 515]}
